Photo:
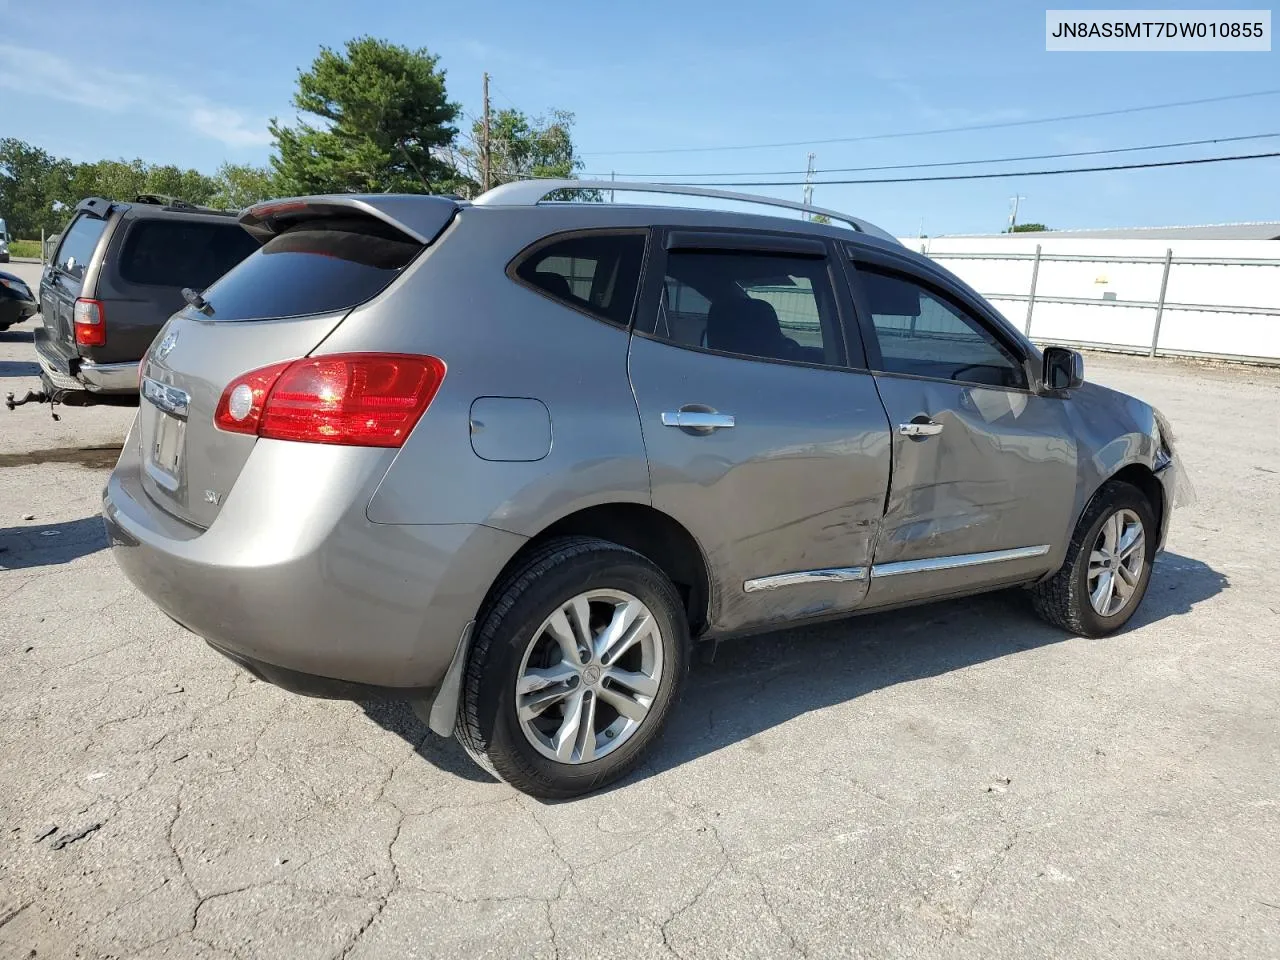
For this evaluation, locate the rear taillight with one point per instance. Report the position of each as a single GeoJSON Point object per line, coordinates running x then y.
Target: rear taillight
{"type": "Point", "coordinates": [356, 399]}
{"type": "Point", "coordinates": [90, 322]}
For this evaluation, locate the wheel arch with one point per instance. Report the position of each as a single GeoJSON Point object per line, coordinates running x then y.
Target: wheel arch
{"type": "Point", "coordinates": [1138, 475]}
{"type": "Point", "coordinates": [648, 531]}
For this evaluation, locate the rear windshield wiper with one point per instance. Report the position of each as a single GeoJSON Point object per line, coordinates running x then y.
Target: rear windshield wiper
{"type": "Point", "coordinates": [194, 298]}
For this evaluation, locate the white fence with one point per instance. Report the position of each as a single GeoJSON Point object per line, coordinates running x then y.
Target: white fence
{"type": "Point", "coordinates": [1206, 298]}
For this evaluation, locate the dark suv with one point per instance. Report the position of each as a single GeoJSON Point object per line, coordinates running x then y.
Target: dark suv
{"type": "Point", "coordinates": [117, 275]}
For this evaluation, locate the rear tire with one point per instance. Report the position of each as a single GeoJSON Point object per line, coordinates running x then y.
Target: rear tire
{"type": "Point", "coordinates": [581, 625]}
{"type": "Point", "coordinates": [1107, 568]}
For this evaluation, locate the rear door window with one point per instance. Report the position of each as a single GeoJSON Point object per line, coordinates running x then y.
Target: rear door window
{"type": "Point", "coordinates": [316, 267]}
{"type": "Point", "coordinates": [766, 306]}
{"type": "Point", "coordinates": [78, 244]}
{"type": "Point", "coordinates": [595, 272]}
{"type": "Point", "coordinates": [174, 253]}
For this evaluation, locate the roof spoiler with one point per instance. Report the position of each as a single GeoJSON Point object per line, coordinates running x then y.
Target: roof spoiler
{"type": "Point", "coordinates": [421, 217]}
{"type": "Point", "coordinates": [95, 207]}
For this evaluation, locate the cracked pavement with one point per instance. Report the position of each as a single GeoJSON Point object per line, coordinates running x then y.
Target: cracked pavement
{"type": "Point", "coordinates": [957, 780]}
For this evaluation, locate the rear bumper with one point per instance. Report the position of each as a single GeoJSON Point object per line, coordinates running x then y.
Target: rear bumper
{"type": "Point", "coordinates": [72, 373]}
{"type": "Point", "coordinates": [296, 584]}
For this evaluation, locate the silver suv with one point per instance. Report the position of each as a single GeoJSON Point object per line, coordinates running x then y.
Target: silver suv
{"type": "Point", "coordinates": [510, 459]}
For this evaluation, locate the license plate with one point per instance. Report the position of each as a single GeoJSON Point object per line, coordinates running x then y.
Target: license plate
{"type": "Point", "coordinates": [165, 456]}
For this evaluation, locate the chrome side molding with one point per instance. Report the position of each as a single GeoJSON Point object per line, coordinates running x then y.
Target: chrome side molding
{"type": "Point", "coordinates": [845, 574]}
{"type": "Point", "coordinates": [829, 575]}
{"type": "Point", "coordinates": [931, 564]}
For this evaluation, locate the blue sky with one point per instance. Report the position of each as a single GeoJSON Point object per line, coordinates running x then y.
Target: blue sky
{"type": "Point", "coordinates": [194, 84]}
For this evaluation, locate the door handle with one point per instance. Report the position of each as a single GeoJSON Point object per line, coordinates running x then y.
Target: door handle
{"type": "Point", "coordinates": [920, 430]}
{"type": "Point", "coordinates": [697, 420]}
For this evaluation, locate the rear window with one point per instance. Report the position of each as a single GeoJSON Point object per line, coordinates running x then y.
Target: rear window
{"type": "Point", "coordinates": [594, 272]}
{"type": "Point", "coordinates": [174, 253]}
{"type": "Point", "coordinates": [315, 267]}
{"type": "Point", "coordinates": [78, 244]}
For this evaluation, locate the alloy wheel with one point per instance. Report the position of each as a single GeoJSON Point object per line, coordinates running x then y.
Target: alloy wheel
{"type": "Point", "coordinates": [589, 676]}
{"type": "Point", "coordinates": [1115, 563]}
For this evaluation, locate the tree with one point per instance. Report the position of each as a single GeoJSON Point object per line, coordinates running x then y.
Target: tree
{"type": "Point", "coordinates": [1027, 228]}
{"type": "Point", "coordinates": [382, 110]}
{"type": "Point", "coordinates": [819, 218]}
{"type": "Point", "coordinates": [189, 185]}
{"type": "Point", "coordinates": [125, 179]}
{"type": "Point", "coordinates": [26, 175]}
{"type": "Point", "coordinates": [239, 185]}
{"type": "Point", "coordinates": [520, 148]}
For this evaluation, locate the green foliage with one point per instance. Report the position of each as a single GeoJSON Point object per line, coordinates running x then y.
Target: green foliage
{"type": "Point", "coordinates": [32, 182]}
{"type": "Point", "coordinates": [376, 118]}
{"type": "Point", "coordinates": [1028, 228]}
{"type": "Point", "coordinates": [382, 111]}
{"type": "Point", "coordinates": [24, 248]}
{"type": "Point", "coordinates": [520, 147]}
{"type": "Point", "coordinates": [819, 218]}
{"type": "Point", "coordinates": [126, 179]}
{"type": "Point", "coordinates": [27, 176]}
{"type": "Point", "coordinates": [239, 185]}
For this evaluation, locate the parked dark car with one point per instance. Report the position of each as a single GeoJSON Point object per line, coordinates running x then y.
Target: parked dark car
{"type": "Point", "coordinates": [16, 301]}
{"type": "Point", "coordinates": [117, 275]}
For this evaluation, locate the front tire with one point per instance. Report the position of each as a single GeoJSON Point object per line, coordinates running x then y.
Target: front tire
{"type": "Point", "coordinates": [1107, 567]}
{"type": "Point", "coordinates": [578, 659]}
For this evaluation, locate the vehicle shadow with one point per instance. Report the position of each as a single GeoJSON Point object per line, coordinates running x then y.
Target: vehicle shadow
{"type": "Point", "coordinates": [19, 368]}
{"type": "Point", "coordinates": [47, 544]}
{"type": "Point", "coordinates": [756, 683]}
{"type": "Point", "coordinates": [15, 336]}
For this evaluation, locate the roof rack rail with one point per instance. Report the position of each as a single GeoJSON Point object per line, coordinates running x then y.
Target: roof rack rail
{"type": "Point", "coordinates": [162, 200]}
{"type": "Point", "coordinates": [531, 192]}
{"type": "Point", "coordinates": [166, 202]}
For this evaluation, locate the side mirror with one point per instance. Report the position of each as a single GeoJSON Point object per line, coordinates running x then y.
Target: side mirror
{"type": "Point", "coordinates": [1063, 369]}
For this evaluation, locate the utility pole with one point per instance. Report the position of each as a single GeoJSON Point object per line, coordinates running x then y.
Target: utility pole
{"type": "Point", "coordinates": [613, 175]}
{"type": "Point", "coordinates": [1013, 212]}
{"type": "Point", "coordinates": [808, 184]}
{"type": "Point", "coordinates": [484, 137]}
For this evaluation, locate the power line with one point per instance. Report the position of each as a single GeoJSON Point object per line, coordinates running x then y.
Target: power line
{"type": "Point", "coordinates": [992, 176]}
{"type": "Point", "coordinates": [939, 130]}
{"type": "Point", "coordinates": [502, 93]}
{"type": "Point", "coordinates": [953, 163]}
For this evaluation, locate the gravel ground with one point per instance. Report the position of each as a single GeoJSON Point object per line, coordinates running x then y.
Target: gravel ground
{"type": "Point", "coordinates": [958, 780]}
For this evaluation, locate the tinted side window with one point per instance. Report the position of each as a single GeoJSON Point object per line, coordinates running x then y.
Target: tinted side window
{"type": "Point", "coordinates": [78, 244]}
{"type": "Point", "coordinates": [171, 253]}
{"type": "Point", "coordinates": [924, 334]}
{"type": "Point", "coordinates": [757, 305]}
{"type": "Point", "coordinates": [316, 267]}
{"type": "Point", "coordinates": [594, 272]}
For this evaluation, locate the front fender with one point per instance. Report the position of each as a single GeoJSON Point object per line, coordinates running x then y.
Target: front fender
{"type": "Point", "coordinates": [1113, 431]}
